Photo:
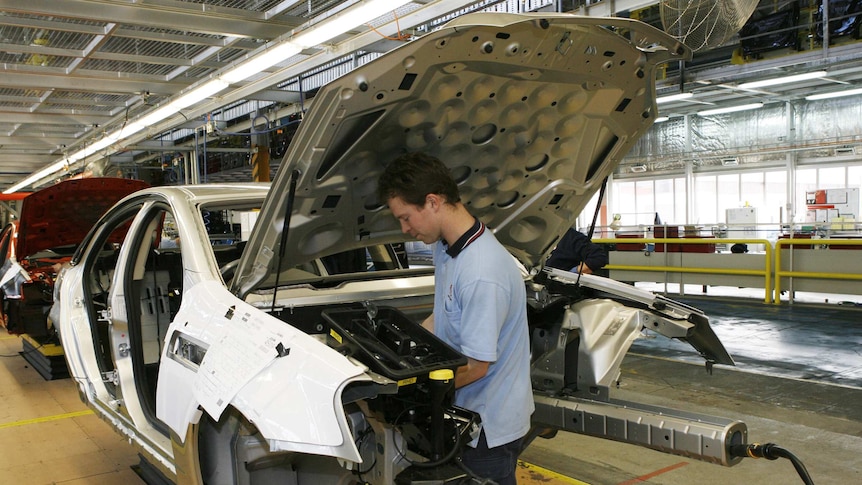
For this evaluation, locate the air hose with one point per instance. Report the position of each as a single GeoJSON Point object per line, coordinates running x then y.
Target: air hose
{"type": "Point", "coordinates": [771, 451]}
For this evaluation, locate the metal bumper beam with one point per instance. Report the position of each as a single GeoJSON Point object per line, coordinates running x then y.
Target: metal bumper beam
{"type": "Point", "coordinates": [697, 436]}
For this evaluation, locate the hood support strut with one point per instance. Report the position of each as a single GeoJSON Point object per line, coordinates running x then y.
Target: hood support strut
{"type": "Point", "coordinates": [291, 195]}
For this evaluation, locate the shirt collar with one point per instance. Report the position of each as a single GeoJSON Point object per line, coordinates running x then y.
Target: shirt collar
{"type": "Point", "coordinates": [466, 239]}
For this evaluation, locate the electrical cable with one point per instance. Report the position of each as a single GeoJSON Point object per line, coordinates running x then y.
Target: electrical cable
{"type": "Point", "coordinates": [771, 451]}
{"type": "Point", "coordinates": [451, 454]}
{"type": "Point", "coordinates": [401, 36]}
{"type": "Point", "coordinates": [359, 442]}
{"type": "Point", "coordinates": [445, 459]}
{"type": "Point", "coordinates": [476, 478]}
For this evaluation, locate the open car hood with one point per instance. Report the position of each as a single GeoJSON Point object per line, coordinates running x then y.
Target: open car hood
{"type": "Point", "coordinates": [529, 111]}
{"type": "Point", "coordinates": [62, 214]}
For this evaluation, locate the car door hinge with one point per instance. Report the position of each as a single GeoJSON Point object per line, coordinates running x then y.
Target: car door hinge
{"type": "Point", "coordinates": [111, 376]}
{"type": "Point", "coordinates": [106, 316]}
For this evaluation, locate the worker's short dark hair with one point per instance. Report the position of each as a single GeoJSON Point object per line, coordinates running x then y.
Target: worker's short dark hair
{"type": "Point", "coordinates": [413, 176]}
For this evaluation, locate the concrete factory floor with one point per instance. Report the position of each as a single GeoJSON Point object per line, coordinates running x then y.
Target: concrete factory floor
{"type": "Point", "coordinates": [797, 383]}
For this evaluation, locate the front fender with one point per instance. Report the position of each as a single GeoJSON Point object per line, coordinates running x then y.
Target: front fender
{"type": "Point", "coordinates": [221, 351]}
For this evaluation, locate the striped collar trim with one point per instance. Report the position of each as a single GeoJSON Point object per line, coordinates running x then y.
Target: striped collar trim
{"type": "Point", "coordinates": [466, 239]}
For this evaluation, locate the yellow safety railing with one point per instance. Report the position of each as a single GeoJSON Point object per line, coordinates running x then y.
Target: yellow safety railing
{"type": "Point", "coordinates": [779, 273]}
{"type": "Point", "coordinates": [766, 272]}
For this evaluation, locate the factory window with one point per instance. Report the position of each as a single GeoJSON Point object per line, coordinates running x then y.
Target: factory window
{"type": "Point", "coordinates": [774, 198]}
{"type": "Point", "coordinates": [752, 189]}
{"type": "Point", "coordinates": [832, 177]}
{"type": "Point", "coordinates": [728, 195]}
{"type": "Point", "coordinates": [854, 176]}
{"type": "Point", "coordinates": [665, 202]}
{"type": "Point", "coordinates": [638, 201]}
{"type": "Point", "coordinates": [705, 200]}
{"type": "Point", "coordinates": [645, 197]}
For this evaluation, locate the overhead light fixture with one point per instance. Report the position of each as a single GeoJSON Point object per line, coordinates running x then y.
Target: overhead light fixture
{"type": "Point", "coordinates": [346, 20]}
{"type": "Point", "coordinates": [200, 93]}
{"type": "Point", "coordinates": [783, 80]}
{"type": "Point", "coordinates": [730, 162]}
{"type": "Point", "coordinates": [661, 119]}
{"type": "Point", "coordinates": [673, 97]}
{"type": "Point", "coordinates": [639, 168]}
{"type": "Point", "coordinates": [835, 94]}
{"type": "Point", "coordinates": [319, 33]}
{"type": "Point", "coordinates": [730, 109]}
{"type": "Point", "coordinates": [271, 57]}
{"type": "Point", "coordinates": [323, 31]}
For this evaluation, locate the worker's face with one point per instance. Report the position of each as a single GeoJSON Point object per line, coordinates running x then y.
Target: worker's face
{"type": "Point", "coordinates": [417, 221]}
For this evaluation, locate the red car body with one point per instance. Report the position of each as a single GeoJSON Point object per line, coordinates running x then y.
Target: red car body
{"type": "Point", "coordinates": [52, 222]}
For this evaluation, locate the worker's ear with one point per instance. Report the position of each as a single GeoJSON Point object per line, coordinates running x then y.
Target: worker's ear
{"type": "Point", "coordinates": [433, 201]}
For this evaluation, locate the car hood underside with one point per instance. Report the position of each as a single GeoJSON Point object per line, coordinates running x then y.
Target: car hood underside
{"type": "Point", "coordinates": [530, 113]}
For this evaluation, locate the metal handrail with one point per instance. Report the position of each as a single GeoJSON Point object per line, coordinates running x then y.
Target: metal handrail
{"type": "Point", "coordinates": [779, 273]}
{"type": "Point", "coordinates": [766, 272]}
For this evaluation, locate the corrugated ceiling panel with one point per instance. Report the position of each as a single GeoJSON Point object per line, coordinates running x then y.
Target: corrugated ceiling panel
{"type": "Point", "coordinates": [127, 67]}
{"type": "Point", "coordinates": [256, 5]}
{"type": "Point", "coordinates": [53, 107]}
{"type": "Point", "coordinates": [141, 47]}
{"type": "Point", "coordinates": [36, 60]}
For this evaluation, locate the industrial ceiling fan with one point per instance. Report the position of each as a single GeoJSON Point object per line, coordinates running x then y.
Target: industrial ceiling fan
{"type": "Point", "coordinates": [705, 24]}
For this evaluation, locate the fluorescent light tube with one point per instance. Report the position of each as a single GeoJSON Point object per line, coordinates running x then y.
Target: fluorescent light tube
{"type": "Point", "coordinates": [661, 119]}
{"type": "Point", "coordinates": [319, 33]}
{"type": "Point", "coordinates": [673, 97]}
{"type": "Point", "coordinates": [783, 80]}
{"type": "Point", "coordinates": [261, 62]}
{"type": "Point", "coordinates": [835, 94]}
{"type": "Point", "coordinates": [346, 20]}
{"type": "Point", "coordinates": [730, 109]}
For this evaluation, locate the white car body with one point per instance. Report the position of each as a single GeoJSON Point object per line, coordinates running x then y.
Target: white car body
{"type": "Point", "coordinates": [254, 380]}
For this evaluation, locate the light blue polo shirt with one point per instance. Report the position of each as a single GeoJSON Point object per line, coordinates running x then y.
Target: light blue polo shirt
{"type": "Point", "coordinates": [480, 309]}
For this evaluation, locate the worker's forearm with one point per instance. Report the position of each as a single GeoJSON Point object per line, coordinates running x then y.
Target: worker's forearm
{"type": "Point", "coordinates": [472, 372]}
{"type": "Point", "coordinates": [428, 323]}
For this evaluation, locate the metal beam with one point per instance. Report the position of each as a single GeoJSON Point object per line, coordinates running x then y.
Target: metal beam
{"type": "Point", "coordinates": [82, 119]}
{"type": "Point", "coordinates": [80, 83]}
{"type": "Point", "coordinates": [182, 16]}
{"type": "Point", "coordinates": [610, 8]}
{"type": "Point", "coordinates": [27, 140]}
{"type": "Point", "coordinates": [178, 148]}
{"type": "Point", "coordinates": [161, 61]}
{"type": "Point", "coordinates": [277, 96]}
{"type": "Point", "coordinates": [24, 162]}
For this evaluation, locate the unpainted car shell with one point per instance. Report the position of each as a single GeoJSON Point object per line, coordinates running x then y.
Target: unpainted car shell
{"type": "Point", "coordinates": [243, 368]}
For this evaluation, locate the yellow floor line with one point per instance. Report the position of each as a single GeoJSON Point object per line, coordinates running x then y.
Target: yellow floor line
{"type": "Point", "coordinates": [529, 473]}
{"type": "Point", "coordinates": [45, 419]}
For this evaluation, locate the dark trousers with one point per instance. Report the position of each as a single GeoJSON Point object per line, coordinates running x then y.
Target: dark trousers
{"type": "Point", "coordinates": [496, 463]}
